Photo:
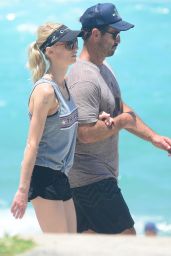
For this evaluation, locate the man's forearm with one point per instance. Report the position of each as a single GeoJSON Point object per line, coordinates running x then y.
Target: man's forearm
{"type": "Point", "coordinates": [98, 131]}
{"type": "Point", "coordinates": [95, 132]}
{"type": "Point", "coordinates": [140, 129]}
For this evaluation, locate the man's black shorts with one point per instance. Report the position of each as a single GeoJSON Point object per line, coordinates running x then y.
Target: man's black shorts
{"type": "Point", "coordinates": [49, 184]}
{"type": "Point", "coordinates": [100, 207]}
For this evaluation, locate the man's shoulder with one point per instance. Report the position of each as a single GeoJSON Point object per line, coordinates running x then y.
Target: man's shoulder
{"type": "Point", "coordinates": [86, 66]}
{"type": "Point", "coordinates": [81, 72]}
{"type": "Point", "coordinates": [106, 68]}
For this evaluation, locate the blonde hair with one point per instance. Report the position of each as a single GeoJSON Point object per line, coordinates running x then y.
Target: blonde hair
{"type": "Point", "coordinates": [38, 62]}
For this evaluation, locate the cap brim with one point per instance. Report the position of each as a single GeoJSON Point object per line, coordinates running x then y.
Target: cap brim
{"type": "Point", "coordinates": [121, 25]}
{"type": "Point", "coordinates": [70, 35]}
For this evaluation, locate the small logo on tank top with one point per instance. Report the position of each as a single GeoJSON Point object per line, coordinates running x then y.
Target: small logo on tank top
{"type": "Point", "coordinates": [69, 120]}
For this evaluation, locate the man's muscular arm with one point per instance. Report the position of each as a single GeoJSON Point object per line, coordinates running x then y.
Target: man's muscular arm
{"type": "Point", "coordinates": [143, 131]}
{"type": "Point", "coordinates": [91, 133]}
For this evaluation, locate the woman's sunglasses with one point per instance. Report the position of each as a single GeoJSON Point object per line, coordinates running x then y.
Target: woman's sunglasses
{"type": "Point", "coordinates": [69, 45]}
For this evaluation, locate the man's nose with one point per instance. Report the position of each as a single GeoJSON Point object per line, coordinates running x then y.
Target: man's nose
{"type": "Point", "coordinates": [118, 39]}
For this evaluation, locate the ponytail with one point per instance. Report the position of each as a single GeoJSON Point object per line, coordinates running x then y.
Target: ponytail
{"type": "Point", "coordinates": [37, 62]}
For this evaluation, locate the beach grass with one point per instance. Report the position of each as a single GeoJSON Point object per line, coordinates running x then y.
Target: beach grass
{"type": "Point", "coordinates": [13, 245]}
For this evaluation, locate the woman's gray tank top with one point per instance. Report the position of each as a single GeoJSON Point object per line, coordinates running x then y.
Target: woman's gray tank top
{"type": "Point", "coordinates": [57, 145]}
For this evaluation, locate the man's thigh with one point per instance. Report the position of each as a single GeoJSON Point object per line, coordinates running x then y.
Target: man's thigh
{"type": "Point", "coordinates": [100, 207]}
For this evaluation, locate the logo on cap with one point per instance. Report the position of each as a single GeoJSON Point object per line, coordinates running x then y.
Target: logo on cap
{"type": "Point", "coordinates": [53, 38]}
{"type": "Point", "coordinates": [63, 30]}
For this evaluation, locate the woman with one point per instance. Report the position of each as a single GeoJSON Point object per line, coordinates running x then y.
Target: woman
{"type": "Point", "coordinates": [50, 146]}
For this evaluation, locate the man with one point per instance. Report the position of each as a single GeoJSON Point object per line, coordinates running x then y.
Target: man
{"type": "Point", "coordinates": [150, 229]}
{"type": "Point", "coordinates": [99, 204]}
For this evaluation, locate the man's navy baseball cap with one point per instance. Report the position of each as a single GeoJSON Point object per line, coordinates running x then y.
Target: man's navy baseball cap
{"type": "Point", "coordinates": [103, 14]}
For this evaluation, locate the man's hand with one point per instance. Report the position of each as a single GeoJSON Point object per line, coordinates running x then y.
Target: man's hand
{"type": "Point", "coordinates": [162, 143]}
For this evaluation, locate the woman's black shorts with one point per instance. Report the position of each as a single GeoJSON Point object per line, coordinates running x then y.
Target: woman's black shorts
{"type": "Point", "coordinates": [49, 184]}
{"type": "Point", "coordinates": [101, 207]}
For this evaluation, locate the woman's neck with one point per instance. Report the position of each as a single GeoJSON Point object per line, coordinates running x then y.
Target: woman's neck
{"type": "Point", "coordinates": [56, 75]}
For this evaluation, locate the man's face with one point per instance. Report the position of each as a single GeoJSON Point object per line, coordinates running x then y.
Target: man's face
{"type": "Point", "coordinates": [109, 41]}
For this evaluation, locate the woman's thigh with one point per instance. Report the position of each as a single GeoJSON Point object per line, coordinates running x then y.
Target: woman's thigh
{"type": "Point", "coordinates": [70, 216]}
{"type": "Point", "coordinates": [51, 215]}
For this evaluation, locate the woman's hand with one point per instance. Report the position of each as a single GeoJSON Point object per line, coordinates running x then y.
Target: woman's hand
{"type": "Point", "coordinates": [19, 204]}
{"type": "Point", "coordinates": [106, 118]}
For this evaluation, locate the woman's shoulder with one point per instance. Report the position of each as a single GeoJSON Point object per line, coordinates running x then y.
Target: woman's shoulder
{"type": "Point", "coordinates": [43, 91]}
{"type": "Point", "coordinates": [44, 88]}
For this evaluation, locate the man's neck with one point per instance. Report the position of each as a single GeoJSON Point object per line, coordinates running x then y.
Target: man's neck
{"type": "Point", "coordinates": [90, 55]}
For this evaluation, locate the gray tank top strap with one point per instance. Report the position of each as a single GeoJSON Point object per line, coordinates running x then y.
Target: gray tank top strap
{"type": "Point", "coordinates": [40, 81]}
{"type": "Point", "coordinates": [55, 87]}
{"type": "Point", "coordinates": [58, 92]}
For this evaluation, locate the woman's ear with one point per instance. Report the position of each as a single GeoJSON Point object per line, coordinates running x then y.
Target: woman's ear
{"type": "Point", "coordinates": [48, 51]}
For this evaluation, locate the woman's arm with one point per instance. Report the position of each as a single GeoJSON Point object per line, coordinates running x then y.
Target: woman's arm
{"type": "Point", "coordinates": [43, 98]}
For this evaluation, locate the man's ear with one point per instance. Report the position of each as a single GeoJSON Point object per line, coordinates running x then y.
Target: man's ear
{"type": "Point", "coordinates": [96, 33]}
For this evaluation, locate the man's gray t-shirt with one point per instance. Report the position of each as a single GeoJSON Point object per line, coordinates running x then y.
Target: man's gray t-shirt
{"type": "Point", "coordinates": [94, 90]}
